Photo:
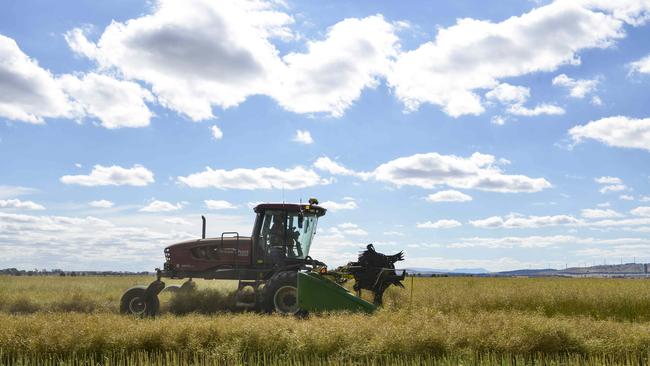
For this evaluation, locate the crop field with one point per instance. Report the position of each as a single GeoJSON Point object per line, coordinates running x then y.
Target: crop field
{"type": "Point", "coordinates": [455, 320]}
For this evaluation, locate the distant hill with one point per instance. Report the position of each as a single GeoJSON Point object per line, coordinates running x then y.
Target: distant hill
{"type": "Point", "coordinates": [626, 269]}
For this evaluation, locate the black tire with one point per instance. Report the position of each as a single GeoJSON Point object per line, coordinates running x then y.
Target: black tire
{"type": "Point", "coordinates": [133, 302]}
{"type": "Point", "coordinates": [172, 289]}
{"type": "Point", "coordinates": [281, 294]}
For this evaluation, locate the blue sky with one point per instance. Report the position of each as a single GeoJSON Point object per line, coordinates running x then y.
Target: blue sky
{"type": "Point", "coordinates": [505, 135]}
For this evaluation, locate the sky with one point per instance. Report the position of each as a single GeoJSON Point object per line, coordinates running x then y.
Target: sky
{"type": "Point", "coordinates": [470, 134]}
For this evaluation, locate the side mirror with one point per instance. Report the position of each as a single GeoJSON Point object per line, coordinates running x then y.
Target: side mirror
{"type": "Point", "coordinates": [301, 219]}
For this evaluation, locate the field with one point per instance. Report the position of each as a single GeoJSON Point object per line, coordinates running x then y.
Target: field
{"type": "Point", "coordinates": [75, 320]}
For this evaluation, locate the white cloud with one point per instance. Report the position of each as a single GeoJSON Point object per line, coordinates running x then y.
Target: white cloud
{"type": "Point", "coordinates": [161, 206]}
{"type": "Point", "coordinates": [328, 165]}
{"type": "Point", "coordinates": [641, 211]}
{"type": "Point", "coordinates": [626, 197]}
{"type": "Point", "coordinates": [474, 54]}
{"type": "Point", "coordinates": [217, 134]}
{"type": "Point", "coordinates": [113, 175]}
{"type": "Point", "coordinates": [13, 191]}
{"type": "Point", "coordinates": [515, 97]}
{"type": "Point", "coordinates": [16, 203]}
{"type": "Point", "coordinates": [101, 204]}
{"type": "Point", "coordinates": [617, 131]}
{"type": "Point", "coordinates": [116, 103]}
{"type": "Point", "coordinates": [29, 92]}
{"type": "Point", "coordinates": [519, 221]}
{"type": "Point", "coordinates": [539, 242]}
{"type": "Point", "coordinates": [440, 224]}
{"type": "Point", "coordinates": [331, 74]}
{"type": "Point", "coordinates": [303, 137]}
{"type": "Point", "coordinates": [348, 228]}
{"type": "Point", "coordinates": [177, 221]}
{"type": "Point", "coordinates": [174, 49]}
{"type": "Point", "coordinates": [448, 196]}
{"type": "Point", "coordinates": [336, 206]}
{"type": "Point", "coordinates": [550, 109]}
{"type": "Point", "coordinates": [644, 199]}
{"type": "Point", "coordinates": [613, 188]}
{"type": "Point", "coordinates": [641, 66]}
{"type": "Point", "coordinates": [578, 88]}
{"type": "Point", "coordinates": [509, 94]}
{"type": "Point", "coordinates": [595, 100]}
{"type": "Point", "coordinates": [608, 180]}
{"type": "Point", "coordinates": [479, 171]}
{"type": "Point", "coordinates": [393, 233]}
{"type": "Point", "coordinates": [604, 204]}
{"type": "Point", "coordinates": [218, 205]}
{"type": "Point", "coordinates": [260, 178]}
{"type": "Point", "coordinates": [594, 213]}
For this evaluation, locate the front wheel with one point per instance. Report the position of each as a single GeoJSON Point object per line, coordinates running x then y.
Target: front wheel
{"type": "Point", "coordinates": [281, 294]}
{"type": "Point", "coordinates": [134, 302]}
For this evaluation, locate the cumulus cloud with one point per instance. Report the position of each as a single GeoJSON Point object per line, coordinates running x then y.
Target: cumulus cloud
{"type": "Point", "coordinates": [216, 132]}
{"type": "Point", "coordinates": [84, 243]}
{"type": "Point", "coordinates": [608, 180]}
{"type": "Point", "coordinates": [348, 204]}
{"type": "Point", "coordinates": [29, 92]}
{"type": "Point", "coordinates": [626, 197]}
{"type": "Point", "coordinates": [347, 228]}
{"type": "Point", "coordinates": [112, 176]}
{"type": "Point", "coordinates": [440, 224]}
{"type": "Point", "coordinates": [18, 204]}
{"type": "Point", "coordinates": [116, 103]}
{"type": "Point", "coordinates": [449, 196]}
{"type": "Point", "coordinates": [303, 137]}
{"type": "Point", "coordinates": [331, 74]}
{"type": "Point", "coordinates": [475, 54]}
{"type": "Point", "coordinates": [218, 205]}
{"type": "Point", "coordinates": [161, 206]}
{"type": "Point", "coordinates": [613, 188]}
{"type": "Point", "coordinates": [595, 213]}
{"type": "Point", "coordinates": [544, 108]}
{"type": "Point", "coordinates": [539, 241]}
{"type": "Point", "coordinates": [479, 171]}
{"type": "Point", "coordinates": [260, 178]}
{"type": "Point", "coordinates": [330, 166]}
{"type": "Point", "coordinates": [641, 211]}
{"type": "Point", "coordinates": [509, 94]}
{"type": "Point", "coordinates": [617, 131]}
{"type": "Point", "coordinates": [101, 204]}
{"type": "Point", "coordinates": [515, 97]}
{"type": "Point", "coordinates": [174, 49]}
{"type": "Point", "coordinates": [13, 191]}
{"type": "Point", "coordinates": [641, 66]}
{"type": "Point", "coordinates": [520, 221]}
{"type": "Point", "coordinates": [578, 88]}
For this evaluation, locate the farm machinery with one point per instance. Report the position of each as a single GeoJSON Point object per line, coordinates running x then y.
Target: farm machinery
{"type": "Point", "coordinates": [274, 262]}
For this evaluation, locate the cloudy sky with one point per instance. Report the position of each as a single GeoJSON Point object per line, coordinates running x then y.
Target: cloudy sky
{"type": "Point", "coordinates": [502, 134]}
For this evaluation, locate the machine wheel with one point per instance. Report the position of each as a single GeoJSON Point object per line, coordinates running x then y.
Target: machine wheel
{"type": "Point", "coordinates": [281, 294]}
{"type": "Point", "coordinates": [133, 302]}
{"type": "Point", "coordinates": [172, 289]}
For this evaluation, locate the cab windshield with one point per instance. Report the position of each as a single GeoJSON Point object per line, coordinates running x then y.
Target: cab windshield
{"type": "Point", "coordinates": [289, 232]}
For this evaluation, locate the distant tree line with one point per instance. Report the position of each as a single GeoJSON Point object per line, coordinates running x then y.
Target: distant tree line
{"type": "Point", "coordinates": [62, 273]}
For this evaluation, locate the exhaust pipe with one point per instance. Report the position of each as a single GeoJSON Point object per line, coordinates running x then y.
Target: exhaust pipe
{"type": "Point", "coordinates": [203, 235]}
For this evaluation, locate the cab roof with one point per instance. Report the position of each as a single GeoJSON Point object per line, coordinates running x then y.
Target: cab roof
{"type": "Point", "coordinates": [291, 207]}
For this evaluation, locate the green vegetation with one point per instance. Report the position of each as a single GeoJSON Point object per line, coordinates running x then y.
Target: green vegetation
{"type": "Point", "coordinates": [449, 321]}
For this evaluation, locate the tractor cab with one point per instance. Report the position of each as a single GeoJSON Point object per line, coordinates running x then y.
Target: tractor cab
{"type": "Point", "coordinates": [284, 231]}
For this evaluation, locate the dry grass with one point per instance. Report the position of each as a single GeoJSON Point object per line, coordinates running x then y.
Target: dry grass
{"type": "Point", "coordinates": [450, 321]}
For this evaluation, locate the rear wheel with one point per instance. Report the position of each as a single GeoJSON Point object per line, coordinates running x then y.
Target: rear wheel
{"type": "Point", "coordinates": [281, 294]}
{"type": "Point", "coordinates": [134, 302]}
